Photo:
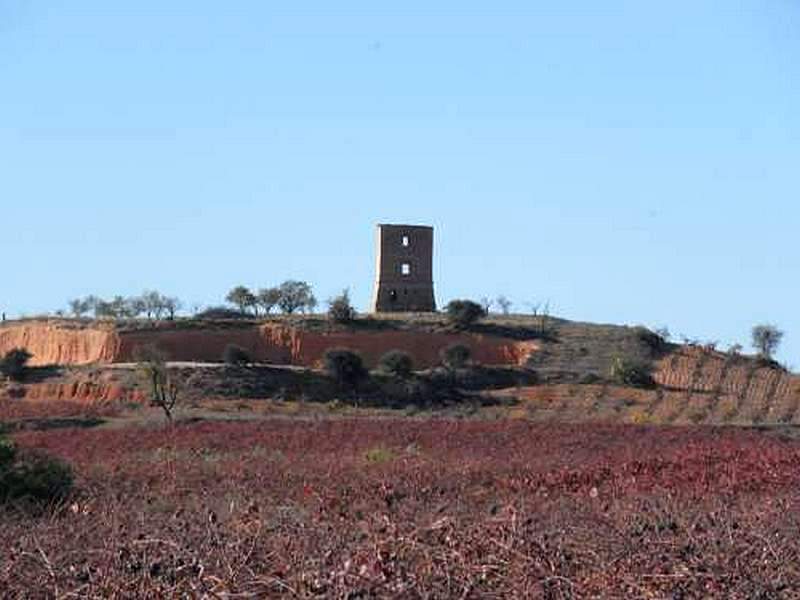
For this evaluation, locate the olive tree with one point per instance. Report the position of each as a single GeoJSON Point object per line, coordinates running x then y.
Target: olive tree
{"type": "Point", "coordinates": [268, 299]}
{"type": "Point", "coordinates": [345, 366]}
{"type": "Point", "coordinates": [242, 298]}
{"type": "Point", "coordinates": [296, 296]}
{"type": "Point", "coordinates": [463, 313]}
{"type": "Point", "coordinates": [767, 339]}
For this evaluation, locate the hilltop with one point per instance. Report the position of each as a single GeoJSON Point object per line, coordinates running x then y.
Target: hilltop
{"type": "Point", "coordinates": [539, 368]}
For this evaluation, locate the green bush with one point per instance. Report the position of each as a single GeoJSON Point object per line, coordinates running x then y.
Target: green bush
{"type": "Point", "coordinates": [14, 364]}
{"type": "Point", "coordinates": [655, 342]}
{"type": "Point", "coordinates": [463, 313]}
{"type": "Point", "coordinates": [236, 355]}
{"type": "Point", "coordinates": [32, 477]}
{"type": "Point", "coordinates": [629, 372]}
{"type": "Point", "coordinates": [456, 356]}
{"type": "Point", "coordinates": [7, 454]}
{"type": "Point", "coordinates": [397, 363]}
{"type": "Point", "coordinates": [340, 310]}
{"type": "Point", "coordinates": [345, 366]}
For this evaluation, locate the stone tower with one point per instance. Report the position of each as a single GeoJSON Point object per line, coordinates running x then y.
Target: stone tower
{"type": "Point", "coordinates": [404, 281]}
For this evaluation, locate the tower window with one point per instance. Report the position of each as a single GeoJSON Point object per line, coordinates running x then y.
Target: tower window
{"type": "Point", "coordinates": [406, 241]}
{"type": "Point", "coordinates": [405, 269]}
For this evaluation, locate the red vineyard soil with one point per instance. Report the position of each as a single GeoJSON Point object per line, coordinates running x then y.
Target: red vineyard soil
{"type": "Point", "coordinates": [404, 508]}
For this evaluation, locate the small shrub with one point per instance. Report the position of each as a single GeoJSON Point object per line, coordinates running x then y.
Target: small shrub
{"type": "Point", "coordinates": [32, 477]}
{"type": "Point", "coordinates": [378, 456]}
{"type": "Point", "coordinates": [463, 313]}
{"type": "Point", "coordinates": [220, 313]}
{"type": "Point", "coordinates": [7, 454]}
{"type": "Point", "coordinates": [590, 379]}
{"type": "Point", "coordinates": [340, 310]}
{"type": "Point", "coordinates": [397, 363]}
{"type": "Point", "coordinates": [653, 340]}
{"type": "Point", "coordinates": [456, 356]}
{"type": "Point", "coordinates": [345, 366]}
{"type": "Point", "coordinates": [628, 372]}
{"type": "Point", "coordinates": [236, 355]}
{"type": "Point", "coordinates": [639, 417]}
{"type": "Point", "coordinates": [14, 364]}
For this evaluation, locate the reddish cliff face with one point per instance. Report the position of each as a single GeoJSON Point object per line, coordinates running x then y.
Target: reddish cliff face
{"type": "Point", "coordinates": [84, 391]}
{"type": "Point", "coordinates": [280, 344]}
{"type": "Point", "coordinates": [67, 344]}
{"type": "Point", "coordinates": [308, 348]}
{"type": "Point", "coordinates": [205, 345]}
{"type": "Point", "coordinates": [60, 344]}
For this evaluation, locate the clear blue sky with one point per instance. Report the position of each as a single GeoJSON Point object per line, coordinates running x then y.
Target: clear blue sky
{"type": "Point", "coordinates": [632, 162]}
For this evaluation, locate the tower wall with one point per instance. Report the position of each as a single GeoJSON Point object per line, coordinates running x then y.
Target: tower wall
{"type": "Point", "coordinates": [404, 280]}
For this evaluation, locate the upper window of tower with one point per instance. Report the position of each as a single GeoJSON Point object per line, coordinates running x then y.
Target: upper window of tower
{"type": "Point", "coordinates": [405, 269]}
{"type": "Point", "coordinates": [406, 241]}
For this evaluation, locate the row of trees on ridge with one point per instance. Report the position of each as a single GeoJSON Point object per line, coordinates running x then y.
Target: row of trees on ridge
{"type": "Point", "coordinates": [150, 304]}
{"type": "Point", "coordinates": [290, 297]}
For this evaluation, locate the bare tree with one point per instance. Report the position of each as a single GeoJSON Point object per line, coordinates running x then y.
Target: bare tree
{"type": "Point", "coordinates": [541, 313]}
{"type": "Point", "coordinates": [163, 386]}
{"type": "Point", "coordinates": [172, 305]}
{"type": "Point", "coordinates": [505, 304]}
{"type": "Point", "coordinates": [487, 304]}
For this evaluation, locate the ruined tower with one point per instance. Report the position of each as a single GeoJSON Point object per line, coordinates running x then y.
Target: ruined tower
{"type": "Point", "coordinates": [404, 281]}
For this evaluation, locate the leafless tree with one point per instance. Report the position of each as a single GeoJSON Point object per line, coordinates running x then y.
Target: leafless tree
{"type": "Point", "coordinates": [163, 386]}
{"type": "Point", "coordinates": [505, 304]}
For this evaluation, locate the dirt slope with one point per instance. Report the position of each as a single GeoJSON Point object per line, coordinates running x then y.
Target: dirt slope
{"type": "Point", "coordinates": [61, 342]}
{"type": "Point", "coordinates": [694, 386]}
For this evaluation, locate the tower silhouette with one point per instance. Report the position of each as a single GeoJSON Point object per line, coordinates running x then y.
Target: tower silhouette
{"type": "Point", "coordinates": [404, 280]}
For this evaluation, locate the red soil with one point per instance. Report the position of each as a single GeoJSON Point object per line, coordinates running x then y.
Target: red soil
{"type": "Point", "coordinates": [413, 509]}
{"type": "Point", "coordinates": [87, 392]}
{"type": "Point", "coordinates": [54, 343]}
